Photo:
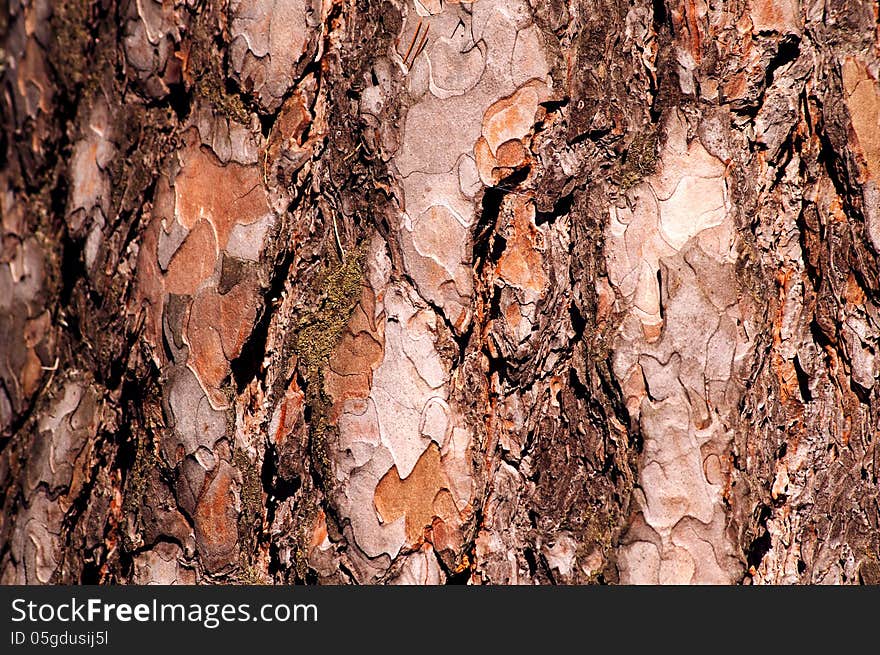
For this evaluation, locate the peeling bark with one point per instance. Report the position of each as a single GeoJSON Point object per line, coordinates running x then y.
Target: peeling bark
{"type": "Point", "coordinates": [411, 292]}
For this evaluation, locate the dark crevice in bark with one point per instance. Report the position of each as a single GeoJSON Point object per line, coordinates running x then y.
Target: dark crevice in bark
{"type": "Point", "coordinates": [783, 159]}
{"type": "Point", "coordinates": [267, 121]}
{"type": "Point", "coordinates": [831, 160]}
{"type": "Point", "coordinates": [664, 82]}
{"type": "Point", "coordinates": [532, 563]}
{"type": "Point", "coordinates": [488, 247]}
{"type": "Point", "coordinates": [248, 365]}
{"type": "Point", "coordinates": [578, 322]}
{"type": "Point", "coordinates": [463, 576]}
{"type": "Point", "coordinates": [545, 568]}
{"type": "Point", "coordinates": [787, 52]}
{"type": "Point", "coordinates": [490, 208]}
{"type": "Point", "coordinates": [180, 100]}
{"type": "Point", "coordinates": [659, 8]}
{"type": "Point", "coordinates": [451, 576]}
{"type": "Point", "coordinates": [803, 381]}
{"type": "Point", "coordinates": [561, 208]}
{"type": "Point", "coordinates": [72, 547]}
{"type": "Point", "coordinates": [809, 225]}
{"type": "Point", "coordinates": [277, 488]}
{"type": "Point", "coordinates": [351, 577]}
{"type": "Point", "coordinates": [761, 544]}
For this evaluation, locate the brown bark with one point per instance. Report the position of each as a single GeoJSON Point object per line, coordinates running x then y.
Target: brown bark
{"type": "Point", "coordinates": [393, 292]}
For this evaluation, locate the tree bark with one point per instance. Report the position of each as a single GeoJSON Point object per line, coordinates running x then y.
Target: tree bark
{"type": "Point", "coordinates": [396, 291]}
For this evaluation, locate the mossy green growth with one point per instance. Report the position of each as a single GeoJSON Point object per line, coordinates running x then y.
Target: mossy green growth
{"type": "Point", "coordinates": [305, 518]}
{"type": "Point", "coordinates": [639, 160]}
{"type": "Point", "coordinates": [144, 137]}
{"type": "Point", "coordinates": [317, 334]}
{"type": "Point", "coordinates": [249, 574]}
{"type": "Point", "coordinates": [751, 278]}
{"type": "Point", "coordinates": [4, 21]}
{"type": "Point", "coordinates": [209, 79]}
{"type": "Point", "coordinates": [601, 526]}
{"type": "Point", "coordinates": [250, 518]}
{"type": "Point", "coordinates": [145, 460]}
{"type": "Point", "coordinates": [250, 493]}
{"type": "Point", "coordinates": [70, 41]}
{"type": "Point", "coordinates": [869, 568]}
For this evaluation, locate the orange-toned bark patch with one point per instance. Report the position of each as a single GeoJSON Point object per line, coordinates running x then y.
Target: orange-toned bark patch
{"type": "Point", "coordinates": [216, 331]}
{"type": "Point", "coordinates": [215, 520]}
{"type": "Point", "coordinates": [863, 101]}
{"type": "Point", "coordinates": [224, 195]}
{"type": "Point", "coordinates": [522, 264]}
{"type": "Point", "coordinates": [193, 263]}
{"type": "Point", "coordinates": [421, 498]}
{"type": "Point", "coordinates": [359, 353]}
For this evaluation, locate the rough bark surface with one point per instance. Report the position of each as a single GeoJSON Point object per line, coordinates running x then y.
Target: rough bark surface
{"type": "Point", "coordinates": [413, 291]}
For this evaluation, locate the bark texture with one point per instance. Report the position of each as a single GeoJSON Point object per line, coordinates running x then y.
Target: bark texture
{"type": "Point", "coordinates": [413, 291]}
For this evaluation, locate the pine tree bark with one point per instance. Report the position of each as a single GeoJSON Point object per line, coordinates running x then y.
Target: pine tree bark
{"type": "Point", "coordinates": [413, 291]}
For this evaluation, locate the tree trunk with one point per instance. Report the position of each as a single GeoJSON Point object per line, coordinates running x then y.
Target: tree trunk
{"type": "Point", "coordinates": [374, 291]}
